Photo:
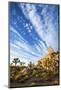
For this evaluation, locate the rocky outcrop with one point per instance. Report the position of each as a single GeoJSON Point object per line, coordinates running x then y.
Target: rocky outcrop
{"type": "Point", "coordinates": [50, 61]}
{"type": "Point", "coordinates": [21, 73]}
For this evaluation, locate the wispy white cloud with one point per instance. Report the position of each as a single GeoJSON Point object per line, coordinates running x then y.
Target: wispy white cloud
{"type": "Point", "coordinates": [36, 20]}
{"type": "Point", "coordinates": [15, 52]}
{"type": "Point", "coordinates": [16, 33]}
{"type": "Point", "coordinates": [22, 43]}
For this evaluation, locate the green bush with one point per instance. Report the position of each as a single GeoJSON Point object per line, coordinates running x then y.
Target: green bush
{"type": "Point", "coordinates": [33, 84]}
{"type": "Point", "coordinates": [26, 77]}
{"type": "Point", "coordinates": [37, 75]}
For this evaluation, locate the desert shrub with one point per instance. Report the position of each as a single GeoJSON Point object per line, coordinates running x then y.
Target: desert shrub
{"type": "Point", "coordinates": [37, 75]}
{"type": "Point", "coordinates": [33, 84]}
{"type": "Point", "coordinates": [26, 77]}
{"type": "Point", "coordinates": [34, 72]}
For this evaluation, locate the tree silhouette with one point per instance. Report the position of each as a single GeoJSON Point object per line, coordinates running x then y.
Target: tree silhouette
{"type": "Point", "coordinates": [22, 63]}
{"type": "Point", "coordinates": [30, 65]}
{"type": "Point", "coordinates": [15, 61]}
{"type": "Point", "coordinates": [11, 63]}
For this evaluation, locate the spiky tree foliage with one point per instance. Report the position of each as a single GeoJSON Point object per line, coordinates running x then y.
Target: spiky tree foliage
{"type": "Point", "coordinates": [22, 63]}
{"type": "Point", "coordinates": [15, 61]}
{"type": "Point", "coordinates": [30, 65]}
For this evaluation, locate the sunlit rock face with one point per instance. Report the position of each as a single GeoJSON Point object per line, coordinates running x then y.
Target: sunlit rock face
{"type": "Point", "coordinates": [50, 61]}
{"type": "Point", "coordinates": [50, 50]}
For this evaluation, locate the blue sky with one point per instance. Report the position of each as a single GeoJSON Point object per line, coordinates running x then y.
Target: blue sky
{"type": "Point", "coordinates": [33, 29]}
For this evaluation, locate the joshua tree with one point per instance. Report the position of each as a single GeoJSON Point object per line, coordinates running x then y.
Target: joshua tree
{"type": "Point", "coordinates": [22, 63]}
{"type": "Point", "coordinates": [11, 64]}
{"type": "Point", "coordinates": [15, 61]}
{"type": "Point", "coordinates": [30, 65]}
